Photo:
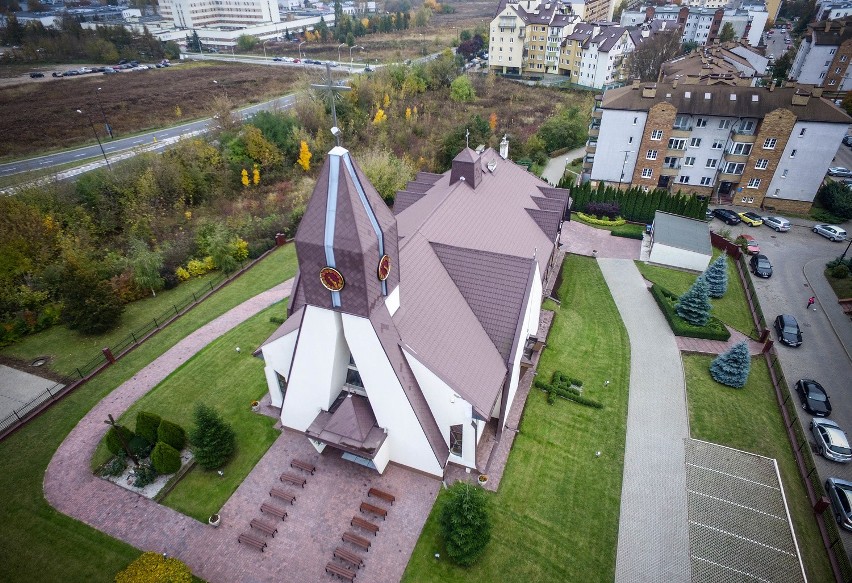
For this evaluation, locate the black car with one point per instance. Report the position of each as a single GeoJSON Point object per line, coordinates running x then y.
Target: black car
{"type": "Point", "coordinates": [847, 141]}
{"type": "Point", "coordinates": [814, 398]}
{"type": "Point", "coordinates": [36, 75]}
{"type": "Point", "coordinates": [728, 217]}
{"type": "Point", "coordinates": [788, 330]}
{"type": "Point", "coordinates": [760, 266]}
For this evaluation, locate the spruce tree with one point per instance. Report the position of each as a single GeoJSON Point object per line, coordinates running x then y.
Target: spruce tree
{"type": "Point", "coordinates": [694, 306]}
{"type": "Point", "coordinates": [465, 523]}
{"type": "Point", "coordinates": [212, 438]}
{"type": "Point", "coordinates": [732, 367]}
{"type": "Point", "coordinates": [716, 276]}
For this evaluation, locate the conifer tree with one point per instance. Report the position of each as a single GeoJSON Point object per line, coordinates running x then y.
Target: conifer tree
{"type": "Point", "coordinates": [694, 306]}
{"type": "Point", "coordinates": [212, 439]}
{"type": "Point", "coordinates": [732, 367]}
{"type": "Point", "coordinates": [716, 276]}
{"type": "Point", "coordinates": [465, 523]}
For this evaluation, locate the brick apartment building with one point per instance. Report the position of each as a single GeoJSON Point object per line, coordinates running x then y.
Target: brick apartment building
{"type": "Point", "coordinates": [757, 147]}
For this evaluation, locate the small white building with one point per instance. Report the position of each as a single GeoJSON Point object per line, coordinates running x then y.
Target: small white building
{"type": "Point", "coordinates": [680, 242]}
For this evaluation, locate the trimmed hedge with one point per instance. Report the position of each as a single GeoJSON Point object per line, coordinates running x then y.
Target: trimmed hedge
{"type": "Point", "coordinates": [714, 330]}
{"type": "Point", "coordinates": [566, 387]}
{"type": "Point", "coordinates": [113, 441]}
{"type": "Point", "coordinates": [600, 222]}
{"type": "Point", "coordinates": [165, 458]}
{"type": "Point", "coordinates": [147, 424]}
{"type": "Point", "coordinates": [627, 234]}
{"type": "Point", "coordinates": [172, 434]}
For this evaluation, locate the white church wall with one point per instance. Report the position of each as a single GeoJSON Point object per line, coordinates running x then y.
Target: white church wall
{"type": "Point", "coordinates": [278, 356]}
{"type": "Point", "coordinates": [406, 439]}
{"type": "Point", "coordinates": [316, 376]}
{"type": "Point", "coordinates": [447, 407]}
{"type": "Point", "coordinates": [392, 301]}
{"type": "Point", "coordinates": [382, 457]}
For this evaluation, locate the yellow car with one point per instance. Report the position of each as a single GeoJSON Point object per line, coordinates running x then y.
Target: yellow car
{"type": "Point", "coordinates": [751, 219]}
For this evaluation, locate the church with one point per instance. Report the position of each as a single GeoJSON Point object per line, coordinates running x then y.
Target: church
{"type": "Point", "coordinates": [406, 329]}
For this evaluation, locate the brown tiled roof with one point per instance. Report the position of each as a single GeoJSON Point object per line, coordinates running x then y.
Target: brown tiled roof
{"type": "Point", "coordinates": [720, 104]}
{"type": "Point", "coordinates": [548, 221]}
{"type": "Point", "coordinates": [351, 426]}
{"type": "Point", "coordinates": [405, 199]}
{"type": "Point", "coordinates": [837, 32]}
{"type": "Point", "coordinates": [549, 204]}
{"type": "Point", "coordinates": [493, 285]}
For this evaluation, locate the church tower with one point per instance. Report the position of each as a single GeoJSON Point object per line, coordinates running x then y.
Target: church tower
{"type": "Point", "coordinates": [347, 242]}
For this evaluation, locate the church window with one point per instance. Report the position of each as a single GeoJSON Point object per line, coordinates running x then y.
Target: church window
{"type": "Point", "coordinates": [353, 377]}
{"type": "Point", "coordinates": [456, 436]}
{"type": "Point", "coordinates": [282, 384]}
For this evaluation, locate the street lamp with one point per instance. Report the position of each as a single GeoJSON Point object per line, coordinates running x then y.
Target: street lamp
{"type": "Point", "coordinates": [301, 59]}
{"type": "Point", "coordinates": [263, 43]}
{"type": "Point", "coordinates": [338, 51]}
{"type": "Point", "coordinates": [350, 54]}
{"type": "Point", "coordinates": [103, 115]}
{"type": "Point", "coordinates": [623, 164]}
{"type": "Point", "coordinates": [94, 131]}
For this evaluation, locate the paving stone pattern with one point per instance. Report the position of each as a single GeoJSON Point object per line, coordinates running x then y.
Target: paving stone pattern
{"type": "Point", "coordinates": [582, 239]}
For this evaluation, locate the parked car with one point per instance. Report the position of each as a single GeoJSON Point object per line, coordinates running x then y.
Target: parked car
{"type": "Point", "coordinates": [368, 69]}
{"type": "Point", "coordinates": [277, 59]}
{"type": "Point", "coordinates": [840, 172]}
{"type": "Point", "coordinates": [752, 248]}
{"type": "Point", "coordinates": [36, 75]}
{"type": "Point", "coordinates": [760, 266]}
{"type": "Point", "coordinates": [831, 441]}
{"type": "Point", "coordinates": [751, 219]}
{"type": "Point", "coordinates": [787, 330]}
{"type": "Point", "coordinates": [840, 493]}
{"type": "Point", "coordinates": [814, 398]}
{"type": "Point", "coordinates": [727, 216]}
{"type": "Point", "coordinates": [780, 224]}
{"type": "Point", "coordinates": [847, 141]}
{"type": "Point", "coordinates": [832, 232]}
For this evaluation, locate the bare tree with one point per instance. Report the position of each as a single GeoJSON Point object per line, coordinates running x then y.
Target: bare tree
{"type": "Point", "coordinates": [644, 63]}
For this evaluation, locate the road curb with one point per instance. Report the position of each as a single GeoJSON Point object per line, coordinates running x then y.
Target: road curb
{"type": "Point", "coordinates": [828, 317]}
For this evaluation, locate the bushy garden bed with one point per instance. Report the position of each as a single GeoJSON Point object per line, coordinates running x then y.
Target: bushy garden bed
{"type": "Point", "coordinates": [714, 330]}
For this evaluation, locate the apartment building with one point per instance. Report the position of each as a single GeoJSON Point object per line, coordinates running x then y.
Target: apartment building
{"type": "Point", "coordinates": [592, 55]}
{"type": "Point", "coordinates": [829, 10]}
{"type": "Point", "coordinates": [731, 63]}
{"type": "Point", "coordinates": [757, 147]}
{"type": "Point", "coordinates": [188, 14]}
{"type": "Point", "coordinates": [702, 25]}
{"type": "Point", "coordinates": [823, 56]}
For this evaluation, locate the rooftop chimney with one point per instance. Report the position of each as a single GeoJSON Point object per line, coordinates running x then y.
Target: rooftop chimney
{"type": "Point", "coordinates": [649, 91]}
{"type": "Point", "coordinates": [801, 98]}
{"type": "Point", "coordinates": [504, 147]}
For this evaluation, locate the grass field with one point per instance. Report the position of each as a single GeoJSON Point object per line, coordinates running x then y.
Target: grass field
{"type": "Point", "coordinates": [556, 513]}
{"type": "Point", "coordinates": [842, 287]}
{"type": "Point", "coordinates": [732, 309]}
{"type": "Point", "coordinates": [38, 543]}
{"type": "Point", "coordinates": [749, 419]}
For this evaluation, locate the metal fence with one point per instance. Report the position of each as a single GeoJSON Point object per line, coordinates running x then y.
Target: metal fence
{"type": "Point", "coordinates": [111, 354]}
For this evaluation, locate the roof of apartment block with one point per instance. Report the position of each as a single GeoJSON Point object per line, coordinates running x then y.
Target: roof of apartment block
{"type": "Point", "coordinates": [714, 64]}
{"type": "Point", "coordinates": [724, 100]}
{"type": "Point", "coordinates": [604, 35]}
{"type": "Point", "coordinates": [830, 32]}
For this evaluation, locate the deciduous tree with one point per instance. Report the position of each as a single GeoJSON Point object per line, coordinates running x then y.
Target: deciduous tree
{"type": "Point", "coordinates": [645, 61]}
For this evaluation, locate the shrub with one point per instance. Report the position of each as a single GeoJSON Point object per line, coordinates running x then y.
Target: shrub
{"type": "Point", "coordinates": [840, 271]}
{"type": "Point", "coordinates": [139, 446]}
{"type": "Point", "coordinates": [113, 441]}
{"type": "Point", "coordinates": [144, 474]}
{"type": "Point", "coordinates": [600, 222]}
{"type": "Point", "coordinates": [153, 568]}
{"type": "Point", "coordinates": [714, 330]}
{"type": "Point", "coordinates": [165, 458]}
{"type": "Point", "coordinates": [115, 466]}
{"type": "Point", "coordinates": [609, 210]}
{"type": "Point", "coordinates": [694, 306]}
{"type": "Point", "coordinates": [824, 216]}
{"type": "Point", "coordinates": [465, 523]}
{"type": "Point", "coordinates": [182, 274]}
{"type": "Point", "coordinates": [566, 387]}
{"type": "Point", "coordinates": [171, 433]}
{"type": "Point", "coordinates": [212, 438]}
{"type": "Point", "coordinates": [716, 277]}
{"type": "Point", "coordinates": [732, 367]}
{"type": "Point", "coordinates": [195, 268]}
{"type": "Point", "coordinates": [146, 425]}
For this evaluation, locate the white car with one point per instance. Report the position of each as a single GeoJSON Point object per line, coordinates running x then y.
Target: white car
{"type": "Point", "coordinates": [780, 224]}
{"type": "Point", "coordinates": [831, 441]}
{"type": "Point", "coordinates": [832, 232]}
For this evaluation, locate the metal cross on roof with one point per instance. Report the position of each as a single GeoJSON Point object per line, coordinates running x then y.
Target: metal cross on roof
{"type": "Point", "coordinates": [331, 87]}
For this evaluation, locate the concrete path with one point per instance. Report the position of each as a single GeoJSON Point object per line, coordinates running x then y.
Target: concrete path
{"type": "Point", "coordinates": [17, 388]}
{"type": "Point", "coordinates": [555, 167]}
{"type": "Point", "coordinates": [653, 539]}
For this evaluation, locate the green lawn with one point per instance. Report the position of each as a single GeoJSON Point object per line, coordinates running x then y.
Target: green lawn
{"type": "Point", "coordinates": [39, 544]}
{"type": "Point", "coordinates": [749, 419]}
{"type": "Point", "coordinates": [556, 513]}
{"type": "Point", "coordinates": [732, 309]}
{"type": "Point", "coordinates": [68, 349]}
{"type": "Point", "coordinates": [231, 381]}
{"type": "Point", "coordinates": [842, 287]}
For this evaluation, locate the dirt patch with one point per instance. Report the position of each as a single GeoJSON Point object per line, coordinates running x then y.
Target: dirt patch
{"type": "Point", "coordinates": [27, 367]}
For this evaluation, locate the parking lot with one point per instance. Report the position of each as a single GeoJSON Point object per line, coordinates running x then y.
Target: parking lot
{"type": "Point", "coordinates": [798, 259]}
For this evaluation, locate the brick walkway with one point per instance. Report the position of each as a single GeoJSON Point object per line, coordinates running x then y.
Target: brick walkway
{"type": "Point", "coordinates": [712, 347]}
{"type": "Point", "coordinates": [305, 540]}
{"type": "Point", "coordinates": [581, 239]}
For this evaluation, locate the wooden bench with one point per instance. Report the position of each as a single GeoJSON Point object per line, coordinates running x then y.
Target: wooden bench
{"type": "Point", "coordinates": [349, 557]}
{"type": "Point", "coordinates": [269, 529]}
{"type": "Point", "coordinates": [299, 464]}
{"type": "Point", "coordinates": [252, 541]}
{"type": "Point", "coordinates": [381, 494]}
{"type": "Point", "coordinates": [365, 524]}
{"type": "Point", "coordinates": [295, 480]}
{"type": "Point", "coordinates": [282, 495]}
{"type": "Point", "coordinates": [268, 508]}
{"type": "Point", "coordinates": [358, 541]}
{"type": "Point", "coordinates": [339, 571]}
{"type": "Point", "coordinates": [367, 507]}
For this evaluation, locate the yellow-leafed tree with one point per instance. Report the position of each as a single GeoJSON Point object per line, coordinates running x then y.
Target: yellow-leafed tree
{"type": "Point", "coordinates": [304, 156]}
{"type": "Point", "coordinates": [155, 568]}
{"type": "Point", "coordinates": [492, 121]}
{"type": "Point", "coordinates": [380, 117]}
{"type": "Point", "coordinates": [407, 114]}
{"type": "Point", "coordinates": [255, 174]}
{"type": "Point", "coordinates": [245, 178]}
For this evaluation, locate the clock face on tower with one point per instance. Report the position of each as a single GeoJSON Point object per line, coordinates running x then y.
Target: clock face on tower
{"type": "Point", "coordinates": [384, 267]}
{"type": "Point", "coordinates": [331, 279]}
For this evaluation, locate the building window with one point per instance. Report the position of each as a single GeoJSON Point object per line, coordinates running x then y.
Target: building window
{"type": "Point", "coordinates": [753, 183]}
{"type": "Point", "coordinates": [706, 181]}
{"type": "Point", "coordinates": [682, 122]}
{"type": "Point", "coordinates": [793, 153]}
{"type": "Point", "coordinates": [683, 179]}
{"type": "Point", "coordinates": [747, 126]}
{"type": "Point", "coordinates": [769, 143]}
{"type": "Point", "coordinates": [740, 149]}
{"type": "Point", "coordinates": [734, 168]}
{"type": "Point", "coordinates": [647, 173]}
{"type": "Point", "coordinates": [724, 124]}
{"type": "Point", "coordinates": [695, 143]}
{"type": "Point", "coordinates": [843, 58]}
{"type": "Point", "coordinates": [718, 144]}
{"type": "Point", "coordinates": [784, 174]}
{"type": "Point", "coordinates": [833, 82]}
{"type": "Point", "coordinates": [747, 199]}
{"type": "Point", "coordinates": [282, 384]}
{"type": "Point", "coordinates": [456, 439]}
{"type": "Point", "coordinates": [353, 377]}
{"type": "Point", "coordinates": [677, 144]}
{"type": "Point", "coordinates": [832, 51]}
{"type": "Point", "coordinates": [657, 135]}
{"type": "Point", "coordinates": [711, 162]}
{"type": "Point", "coordinates": [701, 122]}
{"type": "Point", "coordinates": [651, 155]}
{"type": "Point", "coordinates": [630, 140]}
{"type": "Point", "coordinates": [761, 164]}
{"type": "Point", "coordinates": [635, 119]}
{"type": "Point", "coordinates": [689, 161]}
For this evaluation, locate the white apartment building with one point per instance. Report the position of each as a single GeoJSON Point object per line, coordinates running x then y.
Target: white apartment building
{"type": "Point", "coordinates": [702, 25]}
{"type": "Point", "coordinates": [824, 55]}
{"type": "Point", "coordinates": [593, 54]}
{"type": "Point", "coordinates": [189, 14]}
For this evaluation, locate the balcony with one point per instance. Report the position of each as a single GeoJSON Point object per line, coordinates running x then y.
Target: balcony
{"type": "Point", "coordinates": [597, 113]}
{"type": "Point", "coordinates": [747, 137]}
{"type": "Point", "coordinates": [681, 132]}
{"type": "Point", "coordinates": [725, 177]}
{"type": "Point", "coordinates": [738, 158]}
{"type": "Point", "coordinates": [591, 147]}
{"type": "Point", "coordinates": [673, 153]}
{"type": "Point", "coordinates": [594, 131]}
{"type": "Point", "coordinates": [669, 171]}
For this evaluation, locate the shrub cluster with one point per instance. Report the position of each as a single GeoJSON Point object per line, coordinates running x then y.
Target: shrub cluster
{"type": "Point", "coordinates": [165, 458]}
{"type": "Point", "coordinates": [144, 474]}
{"type": "Point", "coordinates": [714, 330]}
{"type": "Point", "coordinates": [635, 204]}
{"type": "Point", "coordinates": [609, 210]}
{"type": "Point", "coordinates": [152, 567]}
{"type": "Point", "coordinates": [172, 434]}
{"type": "Point", "coordinates": [146, 425]}
{"type": "Point", "coordinates": [113, 439]}
{"type": "Point", "coordinates": [600, 222]}
{"type": "Point", "coordinates": [732, 367]}
{"type": "Point", "coordinates": [566, 387]}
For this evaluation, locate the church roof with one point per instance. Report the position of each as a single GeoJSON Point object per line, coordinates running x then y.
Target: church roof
{"type": "Point", "coordinates": [351, 426]}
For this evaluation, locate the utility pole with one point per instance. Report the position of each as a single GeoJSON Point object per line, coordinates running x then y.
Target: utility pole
{"type": "Point", "coordinates": [103, 115]}
{"type": "Point", "coordinates": [94, 131]}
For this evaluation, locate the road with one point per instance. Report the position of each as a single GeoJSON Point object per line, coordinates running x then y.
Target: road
{"type": "Point", "coordinates": [775, 44]}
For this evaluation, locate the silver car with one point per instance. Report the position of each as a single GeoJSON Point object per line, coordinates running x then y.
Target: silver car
{"type": "Point", "coordinates": [831, 441]}
{"type": "Point", "coordinates": [780, 224]}
{"type": "Point", "coordinates": [832, 232]}
{"type": "Point", "coordinates": [840, 493]}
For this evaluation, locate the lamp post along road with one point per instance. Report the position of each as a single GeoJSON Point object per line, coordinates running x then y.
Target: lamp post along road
{"type": "Point", "coordinates": [301, 59]}
{"type": "Point", "coordinates": [338, 51]}
{"type": "Point", "coordinates": [103, 115]}
{"type": "Point", "coordinates": [350, 54]}
{"type": "Point", "coordinates": [94, 131]}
